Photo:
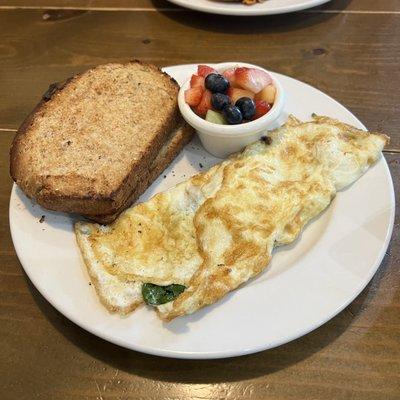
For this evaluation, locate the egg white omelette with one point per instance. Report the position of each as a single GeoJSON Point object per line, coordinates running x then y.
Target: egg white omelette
{"type": "Point", "coordinates": [203, 238]}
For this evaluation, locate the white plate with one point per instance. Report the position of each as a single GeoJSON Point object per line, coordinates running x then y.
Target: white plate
{"type": "Point", "coordinates": [265, 8]}
{"type": "Point", "coordinates": [306, 284]}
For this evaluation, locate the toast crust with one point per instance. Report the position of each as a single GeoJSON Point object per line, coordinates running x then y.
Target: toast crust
{"type": "Point", "coordinates": [90, 201]}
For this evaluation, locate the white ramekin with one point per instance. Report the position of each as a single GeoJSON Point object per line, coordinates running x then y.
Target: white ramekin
{"type": "Point", "coordinates": [222, 140]}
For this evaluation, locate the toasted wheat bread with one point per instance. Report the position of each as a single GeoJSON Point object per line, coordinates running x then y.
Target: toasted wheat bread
{"type": "Point", "coordinates": [87, 147]}
{"type": "Point", "coordinates": [170, 150]}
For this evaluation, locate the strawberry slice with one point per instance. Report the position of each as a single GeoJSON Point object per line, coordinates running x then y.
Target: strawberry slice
{"type": "Point", "coordinates": [194, 95]}
{"type": "Point", "coordinates": [204, 70]}
{"type": "Point", "coordinates": [267, 94]}
{"type": "Point", "coordinates": [197, 81]}
{"type": "Point", "coordinates": [230, 75]}
{"type": "Point", "coordinates": [252, 79]}
{"type": "Point", "coordinates": [236, 93]}
{"type": "Point", "coordinates": [204, 105]}
{"type": "Point", "coordinates": [262, 108]}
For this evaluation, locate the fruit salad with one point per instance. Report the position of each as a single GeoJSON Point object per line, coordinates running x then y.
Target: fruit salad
{"type": "Point", "coordinates": [234, 96]}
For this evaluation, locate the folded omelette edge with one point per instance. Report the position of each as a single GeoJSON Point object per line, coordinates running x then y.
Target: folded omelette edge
{"type": "Point", "coordinates": [218, 229]}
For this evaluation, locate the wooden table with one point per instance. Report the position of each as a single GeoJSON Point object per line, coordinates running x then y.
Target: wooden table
{"type": "Point", "coordinates": [349, 49]}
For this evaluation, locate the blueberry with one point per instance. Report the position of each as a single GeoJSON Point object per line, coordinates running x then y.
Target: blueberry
{"type": "Point", "coordinates": [219, 101]}
{"type": "Point", "coordinates": [232, 114]}
{"type": "Point", "coordinates": [247, 106]}
{"type": "Point", "coordinates": [216, 83]}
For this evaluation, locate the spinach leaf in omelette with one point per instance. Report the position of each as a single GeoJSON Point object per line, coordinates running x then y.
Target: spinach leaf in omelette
{"type": "Point", "coordinates": [155, 295]}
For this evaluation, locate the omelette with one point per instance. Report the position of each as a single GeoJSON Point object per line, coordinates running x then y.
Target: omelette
{"type": "Point", "coordinates": [189, 246]}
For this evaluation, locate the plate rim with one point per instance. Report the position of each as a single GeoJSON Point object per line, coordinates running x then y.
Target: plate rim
{"type": "Point", "coordinates": [305, 4]}
{"type": "Point", "coordinates": [227, 352]}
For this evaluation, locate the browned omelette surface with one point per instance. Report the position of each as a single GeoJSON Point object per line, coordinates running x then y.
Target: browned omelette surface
{"type": "Point", "coordinates": [218, 229]}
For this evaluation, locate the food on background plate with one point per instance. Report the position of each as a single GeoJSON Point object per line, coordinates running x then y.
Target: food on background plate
{"type": "Point", "coordinates": [189, 246]}
{"type": "Point", "coordinates": [238, 94]}
{"type": "Point", "coordinates": [247, 2]}
{"type": "Point", "coordinates": [95, 143]}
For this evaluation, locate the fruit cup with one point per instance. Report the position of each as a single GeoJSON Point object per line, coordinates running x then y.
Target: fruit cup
{"type": "Point", "coordinates": [223, 140]}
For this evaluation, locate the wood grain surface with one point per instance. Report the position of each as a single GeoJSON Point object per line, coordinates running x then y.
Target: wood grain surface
{"type": "Point", "coordinates": [352, 55]}
{"type": "Point", "coordinates": [370, 6]}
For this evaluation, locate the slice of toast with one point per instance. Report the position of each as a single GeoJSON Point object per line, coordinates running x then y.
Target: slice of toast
{"type": "Point", "coordinates": [89, 143]}
{"type": "Point", "coordinates": [170, 150]}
